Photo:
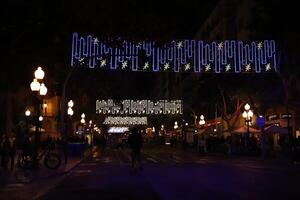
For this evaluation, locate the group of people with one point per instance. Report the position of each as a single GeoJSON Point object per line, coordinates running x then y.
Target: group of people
{"type": "Point", "coordinates": [208, 144]}
{"type": "Point", "coordinates": [10, 145]}
{"type": "Point", "coordinates": [252, 146]}
{"type": "Point", "coordinates": [296, 150]}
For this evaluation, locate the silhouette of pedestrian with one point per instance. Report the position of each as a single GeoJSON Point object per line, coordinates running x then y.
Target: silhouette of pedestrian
{"type": "Point", "coordinates": [135, 142]}
{"type": "Point", "coordinates": [1, 150]}
{"type": "Point", "coordinates": [27, 146]}
{"type": "Point", "coordinates": [48, 142]}
{"type": "Point", "coordinates": [5, 151]}
{"type": "Point", "coordinates": [12, 152]}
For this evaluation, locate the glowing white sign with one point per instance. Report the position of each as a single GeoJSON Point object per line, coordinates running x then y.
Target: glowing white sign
{"type": "Point", "coordinates": [138, 107]}
{"type": "Point", "coordinates": [118, 129]}
{"type": "Point", "coordinates": [125, 121]}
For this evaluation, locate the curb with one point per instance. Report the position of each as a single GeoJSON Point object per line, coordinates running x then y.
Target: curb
{"type": "Point", "coordinates": [40, 194]}
{"type": "Point", "coordinates": [63, 172]}
{"type": "Point", "coordinates": [60, 173]}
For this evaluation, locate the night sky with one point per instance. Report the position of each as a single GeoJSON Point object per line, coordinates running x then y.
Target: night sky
{"type": "Point", "coordinates": [39, 33]}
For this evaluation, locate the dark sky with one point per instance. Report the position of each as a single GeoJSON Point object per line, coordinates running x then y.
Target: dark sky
{"type": "Point", "coordinates": [132, 18]}
{"type": "Point", "coordinates": [38, 32]}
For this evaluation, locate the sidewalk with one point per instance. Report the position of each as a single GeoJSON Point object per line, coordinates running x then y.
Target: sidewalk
{"type": "Point", "coordinates": [19, 176]}
{"type": "Point", "coordinates": [31, 184]}
{"type": "Point", "coordinates": [178, 149]}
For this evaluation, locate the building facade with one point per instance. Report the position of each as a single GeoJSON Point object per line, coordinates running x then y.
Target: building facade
{"type": "Point", "coordinates": [50, 112]}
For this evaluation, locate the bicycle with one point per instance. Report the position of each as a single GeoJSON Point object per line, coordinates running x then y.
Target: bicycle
{"type": "Point", "coordinates": [51, 160]}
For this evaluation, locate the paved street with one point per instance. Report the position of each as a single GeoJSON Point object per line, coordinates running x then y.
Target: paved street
{"type": "Point", "coordinates": [174, 174]}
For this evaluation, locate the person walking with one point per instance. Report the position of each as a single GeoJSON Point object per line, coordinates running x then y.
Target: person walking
{"type": "Point", "coordinates": [296, 150]}
{"type": "Point", "coordinates": [1, 149]}
{"type": "Point", "coordinates": [5, 152]}
{"type": "Point", "coordinates": [12, 152]}
{"type": "Point", "coordinates": [135, 142]}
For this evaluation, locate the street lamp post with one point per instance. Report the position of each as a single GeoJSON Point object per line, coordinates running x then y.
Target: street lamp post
{"type": "Point", "coordinates": [82, 121]}
{"type": "Point", "coordinates": [175, 125]}
{"type": "Point", "coordinates": [247, 115]}
{"type": "Point", "coordinates": [39, 90]}
{"type": "Point", "coordinates": [70, 113]}
{"type": "Point", "coordinates": [27, 114]}
{"type": "Point", "coordinates": [202, 121]}
{"type": "Point", "coordinates": [91, 129]}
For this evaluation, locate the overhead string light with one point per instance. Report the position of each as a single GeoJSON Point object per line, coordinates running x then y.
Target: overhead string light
{"type": "Point", "coordinates": [125, 121]}
{"type": "Point", "coordinates": [228, 56]}
{"type": "Point", "coordinates": [139, 107]}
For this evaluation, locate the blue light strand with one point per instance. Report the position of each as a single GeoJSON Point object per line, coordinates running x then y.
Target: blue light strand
{"type": "Point", "coordinates": [89, 52]}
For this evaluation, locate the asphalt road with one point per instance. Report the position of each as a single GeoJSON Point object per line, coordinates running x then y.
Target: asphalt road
{"type": "Point", "coordinates": [174, 174]}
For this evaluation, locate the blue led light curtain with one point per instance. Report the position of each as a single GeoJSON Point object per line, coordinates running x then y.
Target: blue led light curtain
{"type": "Point", "coordinates": [195, 56]}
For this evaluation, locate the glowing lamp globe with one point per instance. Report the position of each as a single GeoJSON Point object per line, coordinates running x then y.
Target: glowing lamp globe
{"type": "Point", "coordinates": [244, 114]}
{"type": "Point", "coordinates": [250, 113]}
{"type": "Point", "coordinates": [27, 113]}
{"type": "Point", "coordinates": [247, 107]}
{"type": "Point", "coordinates": [43, 89]}
{"type": "Point", "coordinates": [70, 111]}
{"type": "Point", "coordinates": [35, 85]}
{"type": "Point", "coordinates": [70, 103]}
{"type": "Point", "coordinates": [39, 73]}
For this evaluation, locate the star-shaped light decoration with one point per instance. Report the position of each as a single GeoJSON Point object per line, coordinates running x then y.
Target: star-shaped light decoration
{"type": "Point", "coordinates": [227, 67]}
{"type": "Point", "coordinates": [248, 67]}
{"type": "Point", "coordinates": [179, 45]}
{"type": "Point", "coordinates": [207, 67]}
{"type": "Point", "coordinates": [96, 40]}
{"type": "Point", "coordinates": [146, 66]}
{"type": "Point", "coordinates": [103, 63]}
{"type": "Point", "coordinates": [124, 64]}
{"type": "Point", "coordinates": [81, 61]}
{"type": "Point", "coordinates": [220, 46]}
{"type": "Point", "coordinates": [187, 66]}
{"type": "Point", "coordinates": [166, 66]}
{"type": "Point", "coordinates": [268, 67]}
{"type": "Point", "coordinates": [259, 45]}
{"type": "Point", "coordinates": [139, 45]}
